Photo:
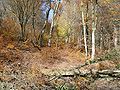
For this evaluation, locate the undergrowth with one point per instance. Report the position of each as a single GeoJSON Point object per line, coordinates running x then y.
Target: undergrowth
{"type": "Point", "coordinates": [113, 54]}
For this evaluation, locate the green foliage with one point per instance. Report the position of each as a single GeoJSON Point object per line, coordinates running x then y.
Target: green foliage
{"type": "Point", "coordinates": [61, 32]}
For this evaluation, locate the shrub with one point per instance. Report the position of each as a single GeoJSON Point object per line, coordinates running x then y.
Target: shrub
{"type": "Point", "coordinates": [112, 55]}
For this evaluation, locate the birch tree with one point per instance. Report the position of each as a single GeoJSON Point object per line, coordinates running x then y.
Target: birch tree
{"type": "Point", "coordinates": [53, 20]}
{"type": "Point", "coordinates": [94, 23]}
{"type": "Point", "coordinates": [84, 27]}
{"type": "Point", "coordinates": [115, 36]}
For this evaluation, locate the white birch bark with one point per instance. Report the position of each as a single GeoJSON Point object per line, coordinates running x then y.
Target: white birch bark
{"type": "Point", "coordinates": [94, 22]}
{"type": "Point", "coordinates": [52, 23]}
{"type": "Point", "coordinates": [84, 28]}
{"type": "Point", "coordinates": [50, 34]}
{"type": "Point", "coordinates": [93, 45]}
{"type": "Point", "coordinates": [101, 41]}
{"type": "Point", "coordinates": [115, 37]}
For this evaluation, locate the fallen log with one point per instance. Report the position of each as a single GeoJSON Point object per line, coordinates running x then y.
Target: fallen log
{"type": "Point", "coordinates": [91, 74]}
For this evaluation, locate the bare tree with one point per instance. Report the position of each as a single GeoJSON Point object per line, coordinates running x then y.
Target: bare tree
{"type": "Point", "coordinates": [94, 24]}
{"type": "Point", "coordinates": [84, 28]}
{"type": "Point", "coordinates": [23, 10]}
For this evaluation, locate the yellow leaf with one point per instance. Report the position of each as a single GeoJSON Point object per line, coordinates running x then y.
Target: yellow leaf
{"type": "Point", "coordinates": [10, 46]}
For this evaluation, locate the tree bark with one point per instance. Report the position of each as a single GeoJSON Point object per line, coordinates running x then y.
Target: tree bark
{"type": "Point", "coordinates": [115, 37]}
{"type": "Point", "coordinates": [94, 22]}
{"type": "Point", "coordinates": [52, 23]}
{"type": "Point", "coordinates": [84, 28]}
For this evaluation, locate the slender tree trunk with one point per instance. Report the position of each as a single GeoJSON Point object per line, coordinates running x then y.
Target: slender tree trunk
{"type": "Point", "coordinates": [50, 34]}
{"type": "Point", "coordinates": [52, 23]}
{"type": "Point", "coordinates": [23, 27]}
{"type": "Point", "coordinates": [93, 45]}
{"type": "Point", "coordinates": [22, 32]}
{"type": "Point", "coordinates": [40, 37]}
{"type": "Point", "coordinates": [68, 36]}
{"type": "Point", "coordinates": [94, 22]}
{"type": "Point", "coordinates": [84, 28]}
{"type": "Point", "coordinates": [101, 41]}
{"type": "Point", "coordinates": [118, 35]}
{"type": "Point", "coordinates": [115, 37]}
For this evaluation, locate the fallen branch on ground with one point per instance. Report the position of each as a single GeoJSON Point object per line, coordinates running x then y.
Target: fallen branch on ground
{"type": "Point", "coordinates": [36, 46]}
{"type": "Point", "coordinates": [89, 74]}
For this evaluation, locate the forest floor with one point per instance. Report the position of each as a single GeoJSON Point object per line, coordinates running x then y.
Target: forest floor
{"type": "Point", "coordinates": [50, 59]}
{"type": "Point", "coordinates": [23, 67]}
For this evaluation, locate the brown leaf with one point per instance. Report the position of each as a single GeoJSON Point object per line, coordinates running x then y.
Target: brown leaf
{"type": "Point", "coordinates": [10, 46]}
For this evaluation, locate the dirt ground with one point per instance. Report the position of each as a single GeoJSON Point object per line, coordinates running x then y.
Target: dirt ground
{"type": "Point", "coordinates": [27, 68]}
{"type": "Point", "coordinates": [50, 59]}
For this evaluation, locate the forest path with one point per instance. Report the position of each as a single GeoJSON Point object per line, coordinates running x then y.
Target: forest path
{"type": "Point", "coordinates": [53, 59]}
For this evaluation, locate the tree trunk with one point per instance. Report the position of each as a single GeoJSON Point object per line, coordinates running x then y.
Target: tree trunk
{"type": "Point", "coordinates": [101, 41]}
{"type": "Point", "coordinates": [52, 23]}
{"type": "Point", "coordinates": [93, 45]}
{"type": "Point", "coordinates": [50, 34]}
{"type": "Point", "coordinates": [84, 28]}
{"type": "Point", "coordinates": [94, 22]}
{"type": "Point", "coordinates": [115, 37]}
{"type": "Point", "coordinates": [22, 32]}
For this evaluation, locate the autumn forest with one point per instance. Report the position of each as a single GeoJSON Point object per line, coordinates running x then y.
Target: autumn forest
{"type": "Point", "coordinates": [59, 44]}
